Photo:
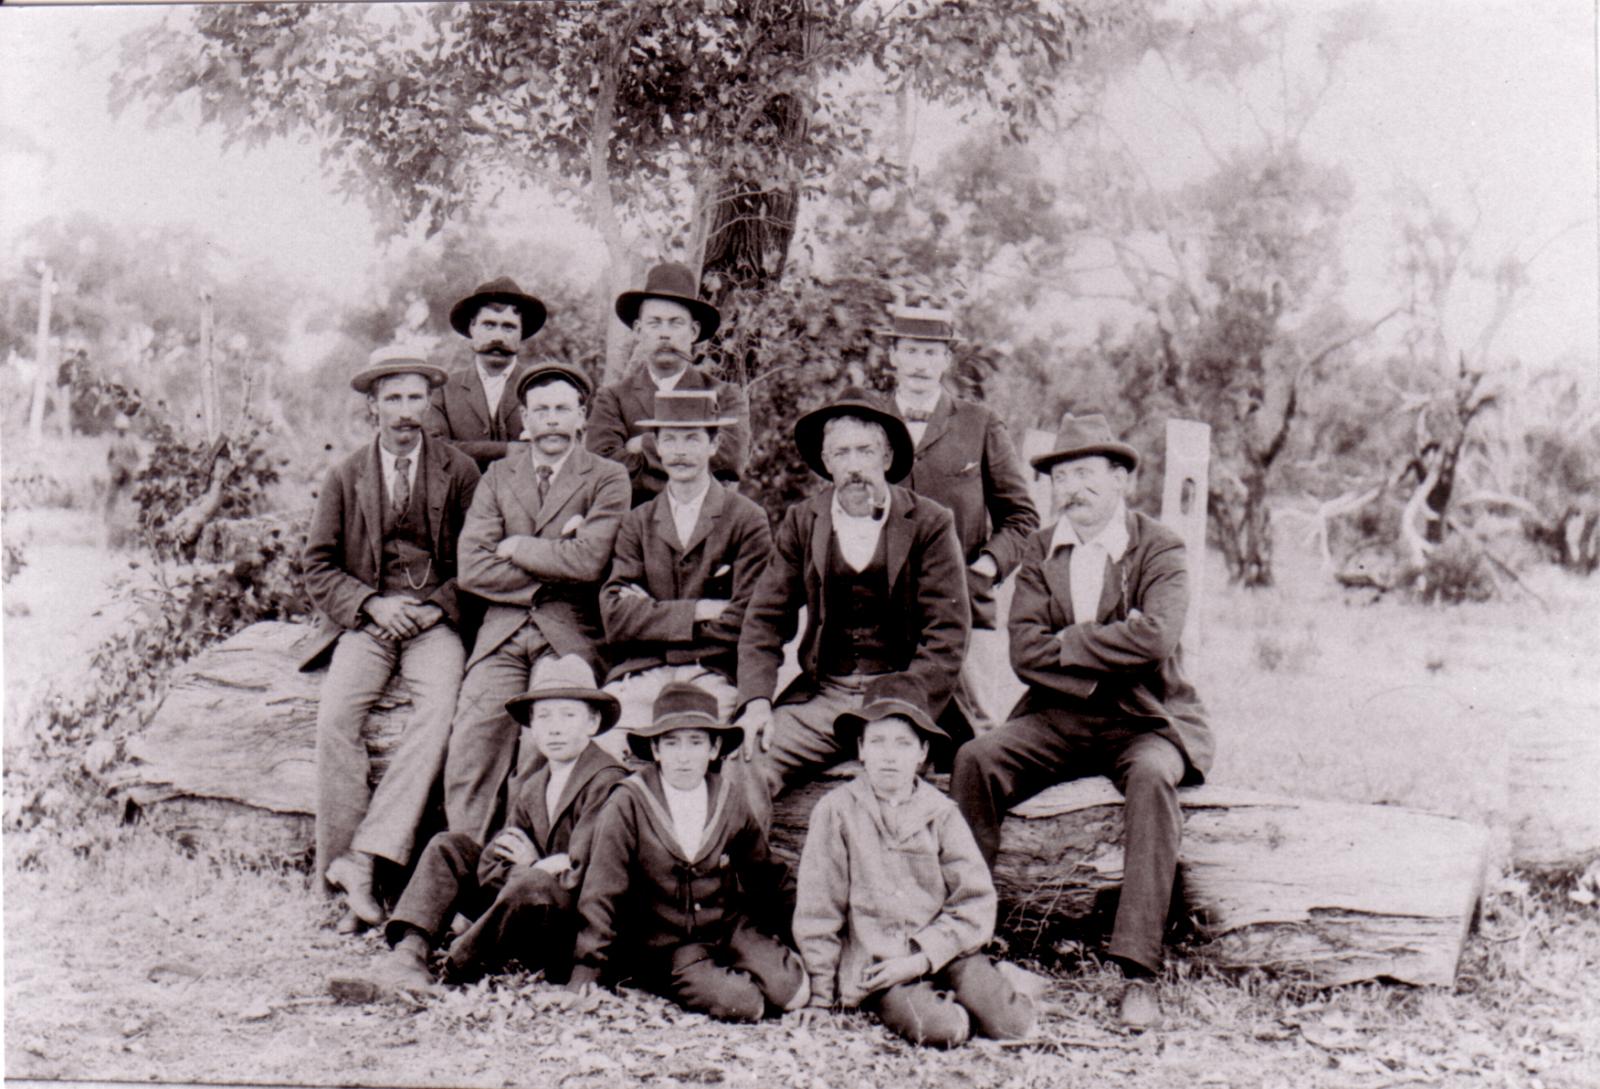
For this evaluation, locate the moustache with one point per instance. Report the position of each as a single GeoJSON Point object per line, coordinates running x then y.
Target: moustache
{"type": "Point", "coordinates": [679, 463]}
{"type": "Point", "coordinates": [497, 348]}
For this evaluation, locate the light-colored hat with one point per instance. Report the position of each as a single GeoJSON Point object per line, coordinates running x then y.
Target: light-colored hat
{"type": "Point", "coordinates": [396, 359]}
{"type": "Point", "coordinates": [687, 408]}
{"type": "Point", "coordinates": [1085, 436]}
{"type": "Point", "coordinates": [684, 706]}
{"type": "Point", "coordinates": [920, 323]}
{"type": "Point", "coordinates": [567, 677]}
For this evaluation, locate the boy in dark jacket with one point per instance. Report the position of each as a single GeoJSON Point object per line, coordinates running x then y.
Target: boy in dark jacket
{"type": "Point", "coordinates": [521, 888]}
{"type": "Point", "coordinates": [679, 876]}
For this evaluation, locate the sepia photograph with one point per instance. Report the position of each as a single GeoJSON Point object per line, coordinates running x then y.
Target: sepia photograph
{"type": "Point", "coordinates": [816, 543]}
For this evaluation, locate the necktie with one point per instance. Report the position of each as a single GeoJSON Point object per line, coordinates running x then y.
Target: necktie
{"type": "Point", "coordinates": [544, 482]}
{"type": "Point", "coordinates": [402, 484]}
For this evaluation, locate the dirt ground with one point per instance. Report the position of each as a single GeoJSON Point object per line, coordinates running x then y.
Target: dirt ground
{"type": "Point", "coordinates": [127, 960]}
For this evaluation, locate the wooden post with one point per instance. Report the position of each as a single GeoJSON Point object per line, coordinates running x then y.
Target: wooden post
{"type": "Point", "coordinates": [43, 375]}
{"type": "Point", "coordinates": [208, 371]}
{"type": "Point", "coordinates": [1183, 507]}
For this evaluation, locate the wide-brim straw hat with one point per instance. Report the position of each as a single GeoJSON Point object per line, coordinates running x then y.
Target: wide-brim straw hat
{"type": "Point", "coordinates": [675, 283]}
{"type": "Point", "coordinates": [502, 291]}
{"type": "Point", "coordinates": [857, 402]}
{"type": "Point", "coordinates": [567, 677]}
{"type": "Point", "coordinates": [920, 323]}
{"type": "Point", "coordinates": [544, 370]}
{"type": "Point", "coordinates": [1085, 436]}
{"type": "Point", "coordinates": [396, 359]}
{"type": "Point", "coordinates": [686, 408]}
{"type": "Point", "coordinates": [683, 705]}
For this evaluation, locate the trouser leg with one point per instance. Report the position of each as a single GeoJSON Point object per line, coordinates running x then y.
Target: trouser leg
{"type": "Point", "coordinates": [1006, 766]}
{"type": "Point", "coordinates": [431, 664]}
{"type": "Point", "coordinates": [1147, 771]}
{"type": "Point", "coordinates": [483, 737]}
{"type": "Point", "coordinates": [529, 921]}
{"type": "Point", "coordinates": [776, 969]}
{"type": "Point", "coordinates": [444, 880]}
{"type": "Point", "coordinates": [923, 1013]}
{"type": "Point", "coordinates": [357, 675]}
{"type": "Point", "coordinates": [697, 982]}
{"type": "Point", "coordinates": [802, 741]}
{"type": "Point", "coordinates": [996, 1009]}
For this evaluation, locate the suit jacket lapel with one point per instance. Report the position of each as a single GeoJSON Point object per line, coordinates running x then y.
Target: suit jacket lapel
{"type": "Point", "coordinates": [710, 512]}
{"type": "Point", "coordinates": [524, 487]}
{"type": "Point", "coordinates": [943, 415]}
{"type": "Point", "coordinates": [1111, 591]}
{"type": "Point", "coordinates": [435, 488]}
{"type": "Point", "coordinates": [897, 534]}
{"type": "Point", "coordinates": [1056, 577]}
{"type": "Point", "coordinates": [369, 500]}
{"type": "Point", "coordinates": [566, 482]}
{"type": "Point", "coordinates": [590, 760]}
{"type": "Point", "coordinates": [472, 393]}
{"type": "Point", "coordinates": [508, 401]}
{"type": "Point", "coordinates": [822, 532]}
{"type": "Point", "coordinates": [666, 530]}
{"type": "Point", "coordinates": [640, 394]}
{"type": "Point", "coordinates": [538, 813]}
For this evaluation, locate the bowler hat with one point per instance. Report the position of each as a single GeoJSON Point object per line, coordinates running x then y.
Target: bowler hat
{"type": "Point", "coordinates": [686, 408]}
{"type": "Point", "coordinates": [681, 705]}
{"type": "Point", "coordinates": [855, 401]}
{"type": "Point", "coordinates": [567, 677]}
{"type": "Point", "coordinates": [502, 291]}
{"type": "Point", "coordinates": [920, 323]}
{"type": "Point", "coordinates": [675, 283]}
{"type": "Point", "coordinates": [1085, 436]}
{"type": "Point", "coordinates": [561, 370]}
{"type": "Point", "coordinates": [893, 696]}
{"type": "Point", "coordinates": [396, 359]}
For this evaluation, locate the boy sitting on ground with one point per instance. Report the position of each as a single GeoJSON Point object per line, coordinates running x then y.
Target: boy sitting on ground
{"type": "Point", "coordinates": [894, 900]}
{"type": "Point", "coordinates": [521, 888]}
{"type": "Point", "coordinates": [679, 876]}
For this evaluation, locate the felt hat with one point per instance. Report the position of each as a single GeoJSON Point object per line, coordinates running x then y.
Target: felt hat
{"type": "Point", "coordinates": [892, 697]}
{"type": "Point", "coordinates": [565, 677]}
{"type": "Point", "coordinates": [1084, 436]}
{"type": "Point", "coordinates": [675, 283]}
{"type": "Point", "coordinates": [544, 370]}
{"type": "Point", "coordinates": [686, 408]}
{"type": "Point", "coordinates": [855, 401]}
{"type": "Point", "coordinates": [502, 291]}
{"type": "Point", "coordinates": [920, 323]}
{"type": "Point", "coordinates": [395, 359]}
{"type": "Point", "coordinates": [684, 706]}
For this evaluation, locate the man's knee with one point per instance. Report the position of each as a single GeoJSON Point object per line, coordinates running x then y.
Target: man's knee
{"type": "Point", "coordinates": [1153, 768]}
{"type": "Point", "coordinates": [924, 1015]}
{"type": "Point", "coordinates": [530, 888]}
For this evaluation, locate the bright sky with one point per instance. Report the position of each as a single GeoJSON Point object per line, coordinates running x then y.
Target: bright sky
{"type": "Point", "coordinates": [1498, 97]}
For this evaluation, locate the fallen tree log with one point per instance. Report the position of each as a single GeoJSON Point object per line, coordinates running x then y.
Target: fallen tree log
{"type": "Point", "coordinates": [1328, 892]}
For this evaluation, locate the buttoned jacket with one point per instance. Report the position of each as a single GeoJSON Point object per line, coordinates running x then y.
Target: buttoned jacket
{"type": "Point", "coordinates": [925, 625]}
{"type": "Point", "coordinates": [619, 407]}
{"type": "Point", "coordinates": [723, 558]}
{"type": "Point", "coordinates": [344, 543]}
{"type": "Point", "coordinates": [460, 414]}
{"type": "Point", "coordinates": [966, 461]}
{"type": "Point", "coordinates": [571, 829]}
{"type": "Point", "coordinates": [1124, 662]}
{"type": "Point", "coordinates": [562, 548]}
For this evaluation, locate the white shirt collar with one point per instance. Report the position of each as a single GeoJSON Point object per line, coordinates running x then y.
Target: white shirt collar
{"type": "Point", "coordinates": [686, 513]}
{"type": "Point", "coordinates": [907, 404]}
{"type": "Point", "coordinates": [556, 466]}
{"type": "Point", "coordinates": [493, 384]}
{"type": "Point", "coordinates": [857, 536]}
{"type": "Point", "coordinates": [1113, 536]}
{"type": "Point", "coordinates": [387, 461]}
{"type": "Point", "coordinates": [666, 383]}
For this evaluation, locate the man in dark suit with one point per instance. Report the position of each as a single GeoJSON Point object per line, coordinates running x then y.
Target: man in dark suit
{"type": "Point", "coordinates": [476, 410]}
{"type": "Point", "coordinates": [1095, 623]}
{"type": "Point", "coordinates": [380, 566]}
{"type": "Point", "coordinates": [535, 546]}
{"type": "Point", "coordinates": [964, 459]}
{"type": "Point", "coordinates": [668, 319]}
{"type": "Point", "coordinates": [683, 571]}
{"type": "Point", "coordinates": [878, 569]}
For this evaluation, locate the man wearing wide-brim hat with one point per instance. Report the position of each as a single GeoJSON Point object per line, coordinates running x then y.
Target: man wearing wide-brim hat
{"type": "Point", "coordinates": [668, 319]}
{"type": "Point", "coordinates": [685, 565]}
{"type": "Point", "coordinates": [380, 567]}
{"type": "Point", "coordinates": [964, 459]}
{"type": "Point", "coordinates": [477, 409]}
{"type": "Point", "coordinates": [878, 570]}
{"type": "Point", "coordinates": [535, 547]}
{"type": "Point", "coordinates": [1098, 610]}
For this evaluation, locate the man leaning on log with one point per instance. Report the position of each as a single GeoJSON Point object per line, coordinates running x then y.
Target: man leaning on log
{"type": "Point", "coordinates": [1095, 621]}
{"type": "Point", "coordinates": [380, 566]}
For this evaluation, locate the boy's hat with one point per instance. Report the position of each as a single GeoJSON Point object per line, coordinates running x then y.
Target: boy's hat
{"type": "Point", "coordinates": [686, 408]}
{"type": "Point", "coordinates": [893, 697]}
{"type": "Point", "coordinates": [683, 706]}
{"type": "Point", "coordinates": [567, 677]}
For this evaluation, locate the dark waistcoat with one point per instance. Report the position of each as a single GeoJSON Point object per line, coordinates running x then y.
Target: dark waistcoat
{"type": "Point", "coordinates": [856, 606]}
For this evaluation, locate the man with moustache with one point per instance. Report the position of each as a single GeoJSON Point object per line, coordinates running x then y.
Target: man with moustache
{"type": "Point", "coordinates": [535, 546]}
{"type": "Point", "coordinates": [685, 565]}
{"type": "Point", "coordinates": [964, 459]}
{"type": "Point", "coordinates": [1095, 623]}
{"type": "Point", "coordinates": [380, 566]}
{"type": "Point", "coordinates": [668, 319]}
{"type": "Point", "coordinates": [477, 410]}
{"type": "Point", "coordinates": [878, 569]}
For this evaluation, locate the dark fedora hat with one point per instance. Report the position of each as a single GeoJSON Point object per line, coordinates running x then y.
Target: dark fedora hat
{"type": "Point", "coordinates": [1085, 436]}
{"type": "Point", "coordinates": [675, 283]}
{"type": "Point", "coordinates": [892, 697]}
{"type": "Point", "coordinates": [686, 408]}
{"type": "Point", "coordinates": [855, 401]}
{"type": "Point", "coordinates": [562, 370]}
{"type": "Point", "coordinates": [498, 292]}
{"type": "Point", "coordinates": [395, 359]}
{"type": "Point", "coordinates": [565, 677]}
{"type": "Point", "coordinates": [684, 706]}
{"type": "Point", "coordinates": [920, 323]}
